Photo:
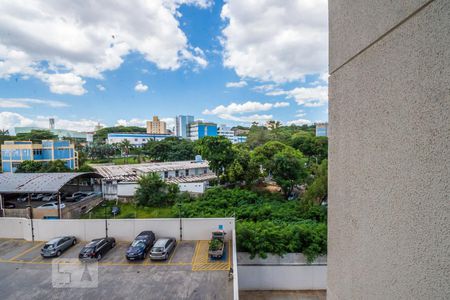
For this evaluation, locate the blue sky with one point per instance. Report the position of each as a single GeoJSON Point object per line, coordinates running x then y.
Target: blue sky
{"type": "Point", "coordinates": [231, 63]}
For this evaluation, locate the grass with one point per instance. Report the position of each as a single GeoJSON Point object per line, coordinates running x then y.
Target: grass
{"type": "Point", "coordinates": [129, 211]}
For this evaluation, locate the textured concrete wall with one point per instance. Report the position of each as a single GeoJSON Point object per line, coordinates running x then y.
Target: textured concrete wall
{"type": "Point", "coordinates": [389, 159]}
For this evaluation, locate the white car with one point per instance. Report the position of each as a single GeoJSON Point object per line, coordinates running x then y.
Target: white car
{"type": "Point", "coordinates": [51, 205]}
{"type": "Point", "coordinates": [50, 197]}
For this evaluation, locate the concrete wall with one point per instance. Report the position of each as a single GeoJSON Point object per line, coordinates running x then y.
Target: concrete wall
{"type": "Point", "coordinates": [121, 229]}
{"type": "Point", "coordinates": [290, 272]}
{"type": "Point", "coordinates": [389, 158]}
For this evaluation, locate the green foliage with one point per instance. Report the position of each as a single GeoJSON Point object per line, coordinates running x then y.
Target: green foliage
{"type": "Point", "coordinates": [310, 145]}
{"type": "Point", "coordinates": [259, 238]}
{"type": "Point", "coordinates": [170, 149]}
{"type": "Point", "coordinates": [128, 211]}
{"type": "Point", "coordinates": [85, 168]}
{"type": "Point", "coordinates": [244, 168]}
{"type": "Point", "coordinates": [318, 189]}
{"type": "Point", "coordinates": [218, 151]}
{"type": "Point", "coordinates": [153, 191]}
{"type": "Point", "coordinates": [29, 166]}
{"type": "Point", "coordinates": [289, 169]}
{"type": "Point", "coordinates": [36, 135]}
{"type": "Point", "coordinates": [215, 244]}
{"type": "Point", "coordinates": [98, 151]}
{"type": "Point", "coordinates": [264, 154]}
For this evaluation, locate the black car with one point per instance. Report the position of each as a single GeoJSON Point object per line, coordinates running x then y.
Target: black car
{"type": "Point", "coordinates": [8, 204]}
{"type": "Point", "coordinates": [141, 245]}
{"type": "Point", "coordinates": [97, 248]}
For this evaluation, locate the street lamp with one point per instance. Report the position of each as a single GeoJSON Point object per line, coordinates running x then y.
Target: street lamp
{"type": "Point", "coordinates": [106, 219]}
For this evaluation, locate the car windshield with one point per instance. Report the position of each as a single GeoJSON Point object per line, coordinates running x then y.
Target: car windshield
{"type": "Point", "coordinates": [48, 246]}
{"type": "Point", "coordinates": [158, 249]}
{"type": "Point", "coordinates": [138, 244]}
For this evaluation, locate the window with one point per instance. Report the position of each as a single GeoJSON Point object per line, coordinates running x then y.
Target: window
{"type": "Point", "coordinates": [205, 171]}
{"type": "Point", "coordinates": [177, 173]}
{"type": "Point", "coordinates": [166, 174]}
{"type": "Point", "coordinates": [187, 172]}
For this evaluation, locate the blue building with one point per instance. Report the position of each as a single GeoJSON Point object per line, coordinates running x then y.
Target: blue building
{"type": "Point", "coordinates": [182, 125]}
{"type": "Point", "coordinates": [199, 129]}
{"type": "Point", "coordinates": [321, 129]}
{"type": "Point", "coordinates": [15, 152]}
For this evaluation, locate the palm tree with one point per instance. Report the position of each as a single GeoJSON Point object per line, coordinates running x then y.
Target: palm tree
{"type": "Point", "coordinates": [126, 146]}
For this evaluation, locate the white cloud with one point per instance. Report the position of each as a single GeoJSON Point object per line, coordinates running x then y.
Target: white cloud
{"type": "Point", "coordinates": [246, 119]}
{"type": "Point", "coordinates": [100, 87]}
{"type": "Point", "coordinates": [238, 84]}
{"type": "Point", "coordinates": [29, 102]}
{"type": "Point", "coordinates": [300, 113]}
{"type": "Point", "coordinates": [281, 104]}
{"type": "Point", "coordinates": [64, 42]}
{"type": "Point", "coordinates": [170, 122]}
{"type": "Point", "coordinates": [247, 107]}
{"type": "Point", "coordinates": [140, 87]}
{"type": "Point", "coordinates": [131, 122]}
{"type": "Point", "coordinates": [305, 96]}
{"type": "Point", "coordinates": [9, 120]}
{"type": "Point", "coordinates": [274, 40]}
{"type": "Point", "coordinates": [299, 122]}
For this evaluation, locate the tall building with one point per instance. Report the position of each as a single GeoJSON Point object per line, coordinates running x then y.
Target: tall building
{"type": "Point", "coordinates": [200, 129]}
{"type": "Point", "coordinates": [182, 125]}
{"type": "Point", "coordinates": [321, 129]}
{"type": "Point", "coordinates": [15, 152]}
{"type": "Point", "coordinates": [389, 150]}
{"type": "Point", "coordinates": [156, 126]}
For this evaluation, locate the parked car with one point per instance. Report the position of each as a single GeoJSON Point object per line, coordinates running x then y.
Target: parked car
{"type": "Point", "coordinates": [51, 205]}
{"type": "Point", "coordinates": [57, 246]}
{"type": "Point", "coordinates": [8, 204]}
{"type": "Point", "coordinates": [162, 248]}
{"type": "Point", "coordinates": [23, 198]}
{"type": "Point", "coordinates": [50, 197]}
{"type": "Point", "coordinates": [141, 245]}
{"type": "Point", "coordinates": [115, 210]}
{"type": "Point", "coordinates": [37, 197]}
{"type": "Point", "coordinates": [97, 248]}
{"type": "Point", "coordinates": [77, 196]}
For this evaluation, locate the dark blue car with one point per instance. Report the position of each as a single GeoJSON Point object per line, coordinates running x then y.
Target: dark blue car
{"type": "Point", "coordinates": [141, 245]}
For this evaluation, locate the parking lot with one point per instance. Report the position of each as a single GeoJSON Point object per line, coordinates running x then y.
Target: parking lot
{"type": "Point", "coordinates": [187, 274]}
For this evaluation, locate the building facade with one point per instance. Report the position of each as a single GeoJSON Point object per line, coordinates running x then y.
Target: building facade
{"type": "Point", "coordinates": [16, 152]}
{"type": "Point", "coordinates": [156, 126]}
{"type": "Point", "coordinates": [199, 129]}
{"type": "Point", "coordinates": [136, 139]}
{"type": "Point", "coordinates": [225, 131]}
{"type": "Point", "coordinates": [389, 150]}
{"type": "Point", "coordinates": [321, 129]}
{"type": "Point", "coordinates": [182, 125]}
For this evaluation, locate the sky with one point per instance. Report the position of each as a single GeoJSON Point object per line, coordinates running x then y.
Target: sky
{"type": "Point", "coordinates": [121, 62]}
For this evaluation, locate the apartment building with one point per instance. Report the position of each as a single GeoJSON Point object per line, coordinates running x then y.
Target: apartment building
{"type": "Point", "coordinates": [156, 126]}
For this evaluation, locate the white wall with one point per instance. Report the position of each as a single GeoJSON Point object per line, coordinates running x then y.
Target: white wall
{"type": "Point", "coordinates": [126, 189]}
{"type": "Point", "coordinates": [290, 272]}
{"type": "Point", "coordinates": [121, 229]}
{"type": "Point", "coordinates": [192, 187]}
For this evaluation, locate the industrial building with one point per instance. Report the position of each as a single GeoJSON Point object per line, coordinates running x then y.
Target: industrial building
{"type": "Point", "coordinates": [120, 181]}
{"type": "Point", "coordinates": [15, 152]}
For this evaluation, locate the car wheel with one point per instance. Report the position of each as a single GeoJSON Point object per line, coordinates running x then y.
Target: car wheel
{"type": "Point", "coordinates": [99, 256]}
{"type": "Point", "coordinates": [74, 242]}
{"type": "Point", "coordinates": [58, 253]}
{"type": "Point", "coordinates": [113, 244]}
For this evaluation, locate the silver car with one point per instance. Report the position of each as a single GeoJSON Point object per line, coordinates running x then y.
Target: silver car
{"type": "Point", "coordinates": [162, 248]}
{"type": "Point", "coordinates": [57, 246]}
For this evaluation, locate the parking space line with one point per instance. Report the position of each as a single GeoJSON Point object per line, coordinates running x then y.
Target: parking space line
{"type": "Point", "coordinates": [174, 251]}
{"type": "Point", "coordinates": [27, 251]}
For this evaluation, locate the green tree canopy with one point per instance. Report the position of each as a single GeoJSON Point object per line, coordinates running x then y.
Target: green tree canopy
{"type": "Point", "coordinates": [218, 151]}
{"type": "Point", "coordinates": [153, 191]}
{"type": "Point", "coordinates": [265, 154]}
{"type": "Point", "coordinates": [170, 149]}
{"type": "Point", "coordinates": [56, 166]}
{"type": "Point", "coordinates": [289, 169]}
{"type": "Point", "coordinates": [36, 135]}
{"type": "Point", "coordinates": [244, 168]}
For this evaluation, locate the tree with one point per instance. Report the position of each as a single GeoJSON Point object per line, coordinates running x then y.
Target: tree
{"type": "Point", "coordinates": [257, 136]}
{"type": "Point", "coordinates": [29, 166]}
{"type": "Point", "coordinates": [218, 151]}
{"type": "Point", "coordinates": [264, 154]}
{"type": "Point", "coordinates": [310, 145]}
{"type": "Point", "coordinates": [244, 169]}
{"type": "Point", "coordinates": [170, 149]}
{"type": "Point", "coordinates": [289, 169]}
{"type": "Point", "coordinates": [36, 135]}
{"type": "Point", "coordinates": [318, 189]}
{"type": "Point", "coordinates": [153, 191]}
